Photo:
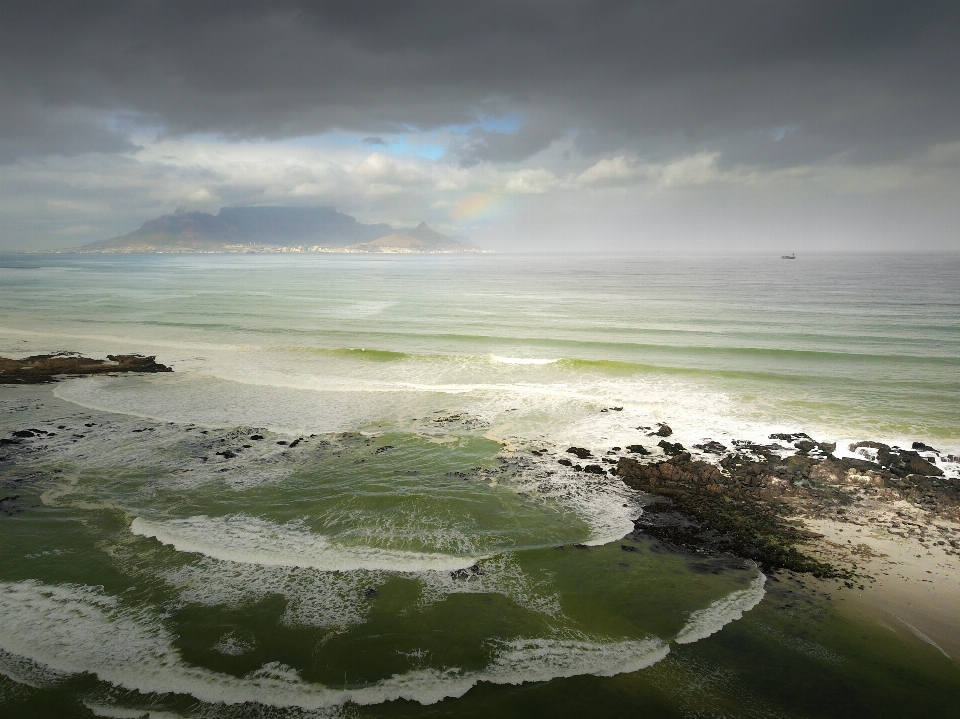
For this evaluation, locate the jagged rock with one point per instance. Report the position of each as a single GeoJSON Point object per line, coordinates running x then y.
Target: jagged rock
{"type": "Point", "coordinates": [711, 447]}
{"type": "Point", "coordinates": [594, 469]}
{"type": "Point", "coordinates": [901, 462]}
{"type": "Point", "coordinates": [580, 452]}
{"type": "Point", "coordinates": [663, 430]}
{"type": "Point", "coordinates": [708, 510]}
{"type": "Point", "coordinates": [672, 449]}
{"type": "Point", "coordinates": [637, 449]}
{"type": "Point", "coordinates": [41, 369]}
{"type": "Point", "coordinates": [472, 571]}
{"type": "Point", "coordinates": [791, 437]}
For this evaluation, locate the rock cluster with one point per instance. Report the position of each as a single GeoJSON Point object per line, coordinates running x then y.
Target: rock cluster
{"type": "Point", "coordinates": [41, 369]}
{"type": "Point", "coordinates": [743, 505]}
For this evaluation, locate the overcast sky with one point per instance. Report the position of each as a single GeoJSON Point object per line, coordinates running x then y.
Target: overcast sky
{"type": "Point", "coordinates": [730, 124]}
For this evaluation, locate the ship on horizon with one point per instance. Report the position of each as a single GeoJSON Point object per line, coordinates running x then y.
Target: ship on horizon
{"type": "Point", "coordinates": [791, 256]}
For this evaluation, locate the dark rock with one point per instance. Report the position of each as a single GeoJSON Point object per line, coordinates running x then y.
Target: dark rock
{"type": "Point", "coordinates": [281, 441]}
{"type": "Point", "coordinates": [40, 369]}
{"type": "Point", "coordinates": [901, 462]}
{"type": "Point", "coordinates": [256, 437]}
{"type": "Point", "coordinates": [672, 449]}
{"type": "Point", "coordinates": [921, 447]}
{"type": "Point", "coordinates": [295, 442]}
{"type": "Point", "coordinates": [615, 449]}
{"type": "Point", "coordinates": [790, 437]}
{"type": "Point", "coordinates": [594, 469]}
{"type": "Point", "coordinates": [23, 433]}
{"type": "Point", "coordinates": [637, 449]}
{"type": "Point", "coordinates": [580, 452]}
{"type": "Point", "coordinates": [565, 462]}
{"type": "Point", "coordinates": [663, 430]}
{"type": "Point", "coordinates": [705, 509]}
{"type": "Point", "coordinates": [384, 448]}
{"type": "Point", "coordinates": [711, 447]}
{"type": "Point", "coordinates": [472, 571]}
{"type": "Point", "coordinates": [227, 454]}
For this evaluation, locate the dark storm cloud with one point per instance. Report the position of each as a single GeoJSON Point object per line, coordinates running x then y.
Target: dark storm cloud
{"type": "Point", "coordinates": [864, 80]}
{"type": "Point", "coordinates": [480, 145]}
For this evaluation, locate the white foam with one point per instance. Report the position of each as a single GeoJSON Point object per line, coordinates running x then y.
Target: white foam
{"type": "Point", "coordinates": [499, 575]}
{"type": "Point", "coordinates": [720, 613]}
{"type": "Point", "coordinates": [319, 599]}
{"type": "Point", "coordinates": [250, 540]}
{"type": "Point", "coordinates": [602, 502]}
{"type": "Point", "coordinates": [524, 360]}
{"type": "Point", "coordinates": [922, 637]}
{"type": "Point", "coordinates": [103, 710]}
{"type": "Point", "coordinates": [72, 629]}
{"type": "Point", "coordinates": [545, 659]}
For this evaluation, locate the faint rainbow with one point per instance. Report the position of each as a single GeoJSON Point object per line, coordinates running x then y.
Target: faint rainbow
{"type": "Point", "coordinates": [477, 206]}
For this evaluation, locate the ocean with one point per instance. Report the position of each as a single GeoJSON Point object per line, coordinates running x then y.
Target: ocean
{"type": "Point", "coordinates": [346, 498]}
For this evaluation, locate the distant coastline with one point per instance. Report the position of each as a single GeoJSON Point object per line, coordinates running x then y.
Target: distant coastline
{"type": "Point", "coordinates": [256, 250]}
{"type": "Point", "coordinates": [255, 230]}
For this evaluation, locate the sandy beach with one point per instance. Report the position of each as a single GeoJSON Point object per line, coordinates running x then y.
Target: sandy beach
{"type": "Point", "coordinates": [905, 572]}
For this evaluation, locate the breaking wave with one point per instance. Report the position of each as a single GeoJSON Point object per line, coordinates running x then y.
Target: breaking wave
{"type": "Point", "coordinates": [69, 629]}
{"type": "Point", "coordinates": [250, 540]}
{"type": "Point", "coordinates": [720, 613]}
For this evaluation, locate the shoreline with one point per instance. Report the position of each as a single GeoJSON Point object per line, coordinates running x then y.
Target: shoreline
{"type": "Point", "coordinates": [868, 526]}
{"type": "Point", "coordinates": [888, 536]}
{"type": "Point", "coordinates": [915, 584]}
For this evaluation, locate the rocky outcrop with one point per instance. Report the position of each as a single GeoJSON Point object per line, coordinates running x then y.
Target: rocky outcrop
{"type": "Point", "coordinates": [901, 462]}
{"type": "Point", "coordinates": [744, 505]}
{"type": "Point", "coordinates": [700, 508]}
{"type": "Point", "coordinates": [40, 369]}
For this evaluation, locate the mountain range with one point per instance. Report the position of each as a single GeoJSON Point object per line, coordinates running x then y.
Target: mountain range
{"type": "Point", "coordinates": [244, 229]}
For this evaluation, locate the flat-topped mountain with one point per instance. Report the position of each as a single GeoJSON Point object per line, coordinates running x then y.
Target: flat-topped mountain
{"type": "Point", "coordinates": [244, 229]}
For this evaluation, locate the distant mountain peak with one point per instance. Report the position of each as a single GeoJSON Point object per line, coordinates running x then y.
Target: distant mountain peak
{"type": "Point", "coordinates": [237, 229]}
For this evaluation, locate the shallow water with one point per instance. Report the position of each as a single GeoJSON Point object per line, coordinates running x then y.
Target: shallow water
{"type": "Point", "coordinates": [419, 549]}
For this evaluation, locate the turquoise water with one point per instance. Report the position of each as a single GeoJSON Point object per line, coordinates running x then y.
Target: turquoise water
{"type": "Point", "coordinates": [346, 500]}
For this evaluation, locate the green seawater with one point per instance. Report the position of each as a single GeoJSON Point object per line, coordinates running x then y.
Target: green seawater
{"type": "Point", "coordinates": [346, 500]}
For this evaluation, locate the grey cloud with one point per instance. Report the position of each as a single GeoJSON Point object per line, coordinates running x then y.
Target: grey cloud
{"type": "Point", "coordinates": [481, 145]}
{"type": "Point", "coordinates": [29, 129]}
{"type": "Point", "coordinates": [869, 81]}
